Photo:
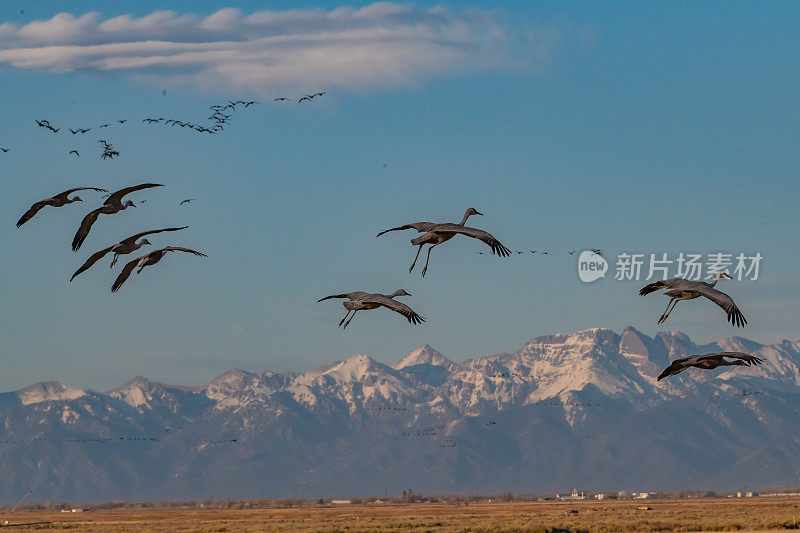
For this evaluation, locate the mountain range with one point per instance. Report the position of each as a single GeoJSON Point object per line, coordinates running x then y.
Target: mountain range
{"type": "Point", "coordinates": [570, 410]}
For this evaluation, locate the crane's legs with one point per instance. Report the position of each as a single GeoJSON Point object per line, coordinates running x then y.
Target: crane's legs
{"type": "Point", "coordinates": [673, 302]}
{"type": "Point", "coordinates": [345, 317]}
{"type": "Point", "coordinates": [114, 261]}
{"type": "Point", "coordinates": [351, 319]}
{"type": "Point", "coordinates": [415, 258]}
{"type": "Point", "coordinates": [429, 258]}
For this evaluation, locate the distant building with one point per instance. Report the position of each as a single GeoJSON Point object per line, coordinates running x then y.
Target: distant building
{"type": "Point", "coordinates": [644, 495]}
{"type": "Point", "coordinates": [340, 502]}
{"type": "Point", "coordinates": [574, 496]}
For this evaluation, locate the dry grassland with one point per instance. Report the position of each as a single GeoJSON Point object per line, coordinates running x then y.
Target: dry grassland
{"type": "Point", "coordinates": [757, 514]}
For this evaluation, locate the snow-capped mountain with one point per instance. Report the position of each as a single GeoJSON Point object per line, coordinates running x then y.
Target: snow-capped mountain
{"type": "Point", "coordinates": [580, 409]}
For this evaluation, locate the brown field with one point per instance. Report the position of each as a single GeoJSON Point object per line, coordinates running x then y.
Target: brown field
{"type": "Point", "coordinates": [757, 514]}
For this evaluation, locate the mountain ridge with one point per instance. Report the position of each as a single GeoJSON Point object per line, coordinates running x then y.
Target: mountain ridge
{"type": "Point", "coordinates": [573, 409]}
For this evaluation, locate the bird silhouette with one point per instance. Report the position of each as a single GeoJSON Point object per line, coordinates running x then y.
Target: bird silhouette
{"type": "Point", "coordinates": [112, 205]}
{"type": "Point", "coordinates": [148, 260]}
{"type": "Point", "coordinates": [59, 200]}
{"type": "Point", "coordinates": [710, 361]}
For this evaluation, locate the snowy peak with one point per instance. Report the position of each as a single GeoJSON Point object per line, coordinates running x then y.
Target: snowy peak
{"type": "Point", "coordinates": [426, 366]}
{"type": "Point", "coordinates": [137, 392]}
{"type": "Point", "coordinates": [46, 391]}
{"type": "Point", "coordinates": [232, 379]}
{"type": "Point", "coordinates": [649, 356]}
{"type": "Point", "coordinates": [424, 355]}
{"type": "Point", "coordinates": [562, 347]}
{"type": "Point", "coordinates": [354, 381]}
{"type": "Point", "coordinates": [354, 368]}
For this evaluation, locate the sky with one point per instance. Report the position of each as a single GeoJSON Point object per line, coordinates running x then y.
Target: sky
{"type": "Point", "coordinates": [627, 127]}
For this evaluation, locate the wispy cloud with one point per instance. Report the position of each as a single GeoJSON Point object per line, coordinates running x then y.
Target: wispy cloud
{"type": "Point", "coordinates": [380, 44]}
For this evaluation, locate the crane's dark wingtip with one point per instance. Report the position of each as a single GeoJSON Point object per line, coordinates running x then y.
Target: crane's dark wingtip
{"type": "Point", "coordinates": [647, 289]}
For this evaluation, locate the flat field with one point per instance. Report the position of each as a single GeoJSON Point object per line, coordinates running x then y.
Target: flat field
{"type": "Point", "coordinates": [756, 514]}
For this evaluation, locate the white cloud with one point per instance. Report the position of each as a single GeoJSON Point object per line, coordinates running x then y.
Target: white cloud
{"type": "Point", "coordinates": [380, 44]}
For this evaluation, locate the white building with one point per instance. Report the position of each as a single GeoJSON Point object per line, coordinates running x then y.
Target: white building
{"type": "Point", "coordinates": [574, 496]}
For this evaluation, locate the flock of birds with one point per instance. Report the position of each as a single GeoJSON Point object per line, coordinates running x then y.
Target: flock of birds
{"type": "Point", "coordinates": [431, 233]}
{"type": "Point", "coordinates": [434, 234]}
{"type": "Point", "coordinates": [221, 116]}
{"type": "Point", "coordinates": [112, 205]}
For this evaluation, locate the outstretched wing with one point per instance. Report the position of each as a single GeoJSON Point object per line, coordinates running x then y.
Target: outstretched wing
{"type": "Point", "coordinates": [116, 197]}
{"type": "Point", "coordinates": [30, 213]}
{"type": "Point", "coordinates": [735, 317]}
{"type": "Point", "coordinates": [94, 258]}
{"type": "Point", "coordinates": [657, 286]}
{"type": "Point", "coordinates": [349, 295]}
{"type": "Point", "coordinates": [398, 307]}
{"type": "Point", "coordinates": [677, 366]}
{"type": "Point", "coordinates": [83, 231]}
{"type": "Point", "coordinates": [746, 357]}
{"type": "Point", "coordinates": [126, 273]}
{"type": "Point", "coordinates": [63, 195]}
{"type": "Point", "coordinates": [486, 237]}
{"type": "Point", "coordinates": [134, 238]}
{"type": "Point", "coordinates": [421, 227]}
{"type": "Point", "coordinates": [179, 249]}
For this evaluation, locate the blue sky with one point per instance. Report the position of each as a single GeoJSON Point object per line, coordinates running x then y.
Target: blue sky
{"type": "Point", "coordinates": [621, 126]}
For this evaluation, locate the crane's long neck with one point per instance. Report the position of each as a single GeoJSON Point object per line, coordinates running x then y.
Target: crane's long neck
{"type": "Point", "coordinates": [717, 277]}
{"type": "Point", "coordinates": [396, 293]}
{"type": "Point", "coordinates": [70, 200]}
{"type": "Point", "coordinates": [139, 244]}
{"type": "Point", "coordinates": [464, 220]}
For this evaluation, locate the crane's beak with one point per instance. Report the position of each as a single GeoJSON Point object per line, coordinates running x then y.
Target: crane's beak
{"type": "Point", "coordinates": [481, 214]}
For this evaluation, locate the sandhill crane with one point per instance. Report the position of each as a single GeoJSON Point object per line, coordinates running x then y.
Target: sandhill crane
{"type": "Point", "coordinates": [148, 260]}
{"type": "Point", "coordinates": [710, 361]}
{"type": "Point", "coordinates": [365, 301]}
{"type": "Point", "coordinates": [125, 246]}
{"type": "Point", "coordinates": [59, 200]}
{"type": "Point", "coordinates": [113, 204]}
{"type": "Point", "coordinates": [435, 234]}
{"type": "Point", "coordinates": [684, 289]}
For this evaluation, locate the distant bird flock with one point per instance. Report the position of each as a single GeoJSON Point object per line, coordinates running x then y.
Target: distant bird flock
{"type": "Point", "coordinates": [431, 233]}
